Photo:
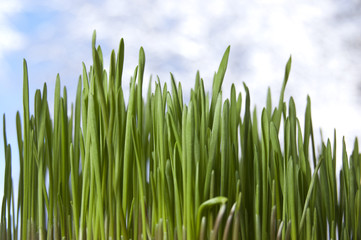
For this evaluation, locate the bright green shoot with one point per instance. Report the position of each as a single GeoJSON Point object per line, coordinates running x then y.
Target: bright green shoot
{"type": "Point", "coordinates": [159, 168]}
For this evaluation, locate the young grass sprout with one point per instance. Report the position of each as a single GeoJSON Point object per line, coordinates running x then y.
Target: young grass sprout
{"type": "Point", "coordinates": [159, 168]}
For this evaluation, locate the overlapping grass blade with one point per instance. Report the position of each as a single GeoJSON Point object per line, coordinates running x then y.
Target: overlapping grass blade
{"type": "Point", "coordinates": [159, 168]}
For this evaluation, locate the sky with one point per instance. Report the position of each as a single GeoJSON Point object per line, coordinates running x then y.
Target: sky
{"type": "Point", "coordinates": [322, 36]}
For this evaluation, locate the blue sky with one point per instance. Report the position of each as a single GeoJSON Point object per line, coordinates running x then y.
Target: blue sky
{"type": "Point", "coordinates": [323, 37]}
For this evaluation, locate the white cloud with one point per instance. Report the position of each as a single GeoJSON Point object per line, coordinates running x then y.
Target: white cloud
{"type": "Point", "coordinates": [10, 39]}
{"type": "Point", "coordinates": [10, 6]}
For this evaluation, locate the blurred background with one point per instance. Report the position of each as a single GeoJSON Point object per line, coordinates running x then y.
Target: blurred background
{"type": "Point", "coordinates": [323, 37]}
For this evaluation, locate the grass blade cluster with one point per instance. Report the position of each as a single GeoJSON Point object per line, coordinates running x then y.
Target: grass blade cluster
{"type": "Point", "coordinates": [159, 168]}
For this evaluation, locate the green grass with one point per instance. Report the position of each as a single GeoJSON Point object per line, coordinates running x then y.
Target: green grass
{"type": "Point", "coordinates": [214, 173]}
